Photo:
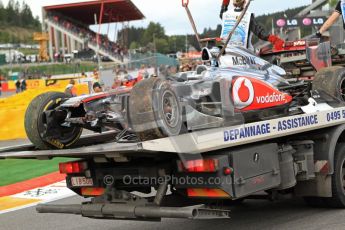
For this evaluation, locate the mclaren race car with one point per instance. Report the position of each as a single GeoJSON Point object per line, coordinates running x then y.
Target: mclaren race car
{"type": "Point", "coordinates": [210, 97]}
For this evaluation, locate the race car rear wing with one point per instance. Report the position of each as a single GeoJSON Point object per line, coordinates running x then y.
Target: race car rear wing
{"type": "Point", "coordinates": [318, 54]}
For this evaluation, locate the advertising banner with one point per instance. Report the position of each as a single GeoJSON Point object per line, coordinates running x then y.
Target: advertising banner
{"type": "Point", "coordinates": [300, 22]}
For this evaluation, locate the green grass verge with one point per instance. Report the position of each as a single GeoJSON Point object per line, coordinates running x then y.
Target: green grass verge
{"type": "Point", "coordinates": [27, 51]}
{"type": "Point", "coordinates": [12, 171]}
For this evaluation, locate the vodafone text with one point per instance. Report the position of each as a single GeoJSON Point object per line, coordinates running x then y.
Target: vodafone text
{"type": "Point", "coordinates": [271, 98]}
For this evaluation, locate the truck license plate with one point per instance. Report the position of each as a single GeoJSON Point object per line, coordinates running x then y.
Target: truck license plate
{"type": "Point", "coordinates": [81, 181]}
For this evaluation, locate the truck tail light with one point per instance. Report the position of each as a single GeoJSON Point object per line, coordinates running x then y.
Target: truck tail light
{"type": "Point", "coordinates": [72, 167]}
{"type": "Point", "coordinates": [198, 166]}
{"type": "Point", "coordinates": [207, 192]}
{"type": "Point", "coordinates": [228, 171]}
{"type": "Point", "coordinates": [92, 191]}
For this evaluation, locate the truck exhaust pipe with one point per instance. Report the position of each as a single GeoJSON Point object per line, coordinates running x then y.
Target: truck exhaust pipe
{"type": "Point", "coordinates": [126, 211]}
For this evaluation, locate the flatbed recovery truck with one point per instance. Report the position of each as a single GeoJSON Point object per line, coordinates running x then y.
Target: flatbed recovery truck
{"type": "Point", "coordinates": [204, 171]}
{"type": "Point", "coordinates": [197, 174]}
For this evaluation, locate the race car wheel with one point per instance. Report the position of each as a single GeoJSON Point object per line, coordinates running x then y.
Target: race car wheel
{"type": "Point", "coordinates": [36, 126]}
{"type": "Point", "coordinates": [154, 110]}
{"type": "Point", "coordinates": [332, 81]}
{"type": "Point", "coordinates": [170, 109]}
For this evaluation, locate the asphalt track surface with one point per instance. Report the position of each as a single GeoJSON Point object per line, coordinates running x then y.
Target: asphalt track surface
{"type": "Point", "coordinates": [6, 94]}
{"type": "Point", "coordinates": [252, 214]}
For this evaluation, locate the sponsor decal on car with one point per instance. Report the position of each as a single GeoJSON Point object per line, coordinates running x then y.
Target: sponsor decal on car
{"type": "Point", "coordinates": [252, 94]}
{"type": "Point", "coordinates": [299, 43]}
{"type": "Point", "coordinates": [243, 61]}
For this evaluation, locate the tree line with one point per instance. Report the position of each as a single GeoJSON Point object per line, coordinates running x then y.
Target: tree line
{"type": "Point", "coordinates": [153, 37]}
{"type": "Point", "coordinates": [16, 14]}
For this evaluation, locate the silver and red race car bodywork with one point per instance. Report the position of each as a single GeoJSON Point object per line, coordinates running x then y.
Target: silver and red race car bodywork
{"type": "Point", "coordinates": [303, 58]}
{"type": "Point", "coordinates": [209, 97]}
{"type": "Point", "coordinates": [251, 94]}
{"type": "Point", "coordinates": [237, 88]}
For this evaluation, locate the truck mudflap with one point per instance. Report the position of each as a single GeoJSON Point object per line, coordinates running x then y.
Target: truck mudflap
{"type": "Point", "coordinates": [132, 212]}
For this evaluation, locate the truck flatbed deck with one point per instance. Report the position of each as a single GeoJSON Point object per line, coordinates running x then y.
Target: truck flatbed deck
{"type": "Point", "coordinates": [193, 143]}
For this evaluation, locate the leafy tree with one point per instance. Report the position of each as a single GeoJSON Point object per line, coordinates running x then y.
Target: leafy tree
{"type": "Point", "coordinates": [17, 15]}
{"type": "Point", "coordinates": [18, 18]}
{"type": "Point", "coordinates": [134, 45]}
{"type": "Point", "coordinates": [134, 35]}
{"type": "Point", "coordinates": [153, 30]}
{"type": "Point", "coordinates": [332, 3]}
{"type": "Point", "coordinates": [10, 19]}
{"type": "Point", "coordinates": [177, 43]}
{"type": "Point", "coordinates": [162, 45]}
{"type": "Point", "coordinates": [2, 12]}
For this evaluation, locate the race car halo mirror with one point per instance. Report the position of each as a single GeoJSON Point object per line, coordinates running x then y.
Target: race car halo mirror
{"type": "Point", "coordinates": [185, 3]}
{"type": "Point", "coordinates": [206, 54]}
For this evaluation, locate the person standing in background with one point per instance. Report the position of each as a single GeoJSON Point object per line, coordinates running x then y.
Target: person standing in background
{"type": "Point", "coordinates": [97, 88]}
{"type": "Point", "coordinates": [142, 74]}
{"type": "Point", "coordinates": [117, 83]}
{"type": "Point", "coordinates": [23, 85]}
{"type": "Point", "coordinates": [339, 10]}
{"type": "Point", "coordinates": [96, 75]}
{"type": "Point", "coordinates": [17, 86]}
{"type": "Point", "coordinates": [71, 90]}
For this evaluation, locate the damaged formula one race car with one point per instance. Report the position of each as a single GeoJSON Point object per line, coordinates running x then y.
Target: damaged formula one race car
{"type": "Point", "coordinates": [302, 59]}
{"type": "Point", "coordinates": [215, 95]}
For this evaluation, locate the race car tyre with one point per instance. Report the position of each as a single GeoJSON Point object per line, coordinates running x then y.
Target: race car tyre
{"type": "Point", "coordinates": [154, 110]}
{"type": "Point", "coordinates": [338, 184]}
{"type": "Point", "coordinates": [332, 81]}
{"type": "Point", "coordinates": [35, 124]}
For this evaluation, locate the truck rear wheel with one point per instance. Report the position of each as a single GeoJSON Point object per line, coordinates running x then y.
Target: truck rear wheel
{"type": "Point", "coordinates": [332, 81]}
{"type": "Point", "coordinates": [154, 110]}
{"type": "Point", "coordinates": [338, 184]}
{"type": "Point", "coordinates": [36, 126]}
{"type": "Point", "coordinates": [338, 179]}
